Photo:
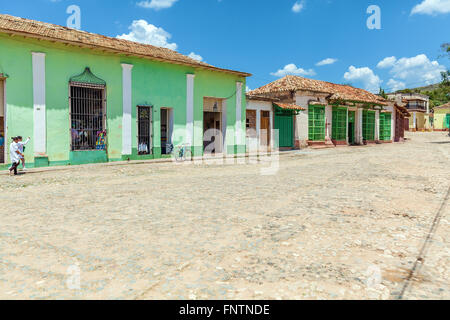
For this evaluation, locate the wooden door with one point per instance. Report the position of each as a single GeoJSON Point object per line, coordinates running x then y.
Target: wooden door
{"type": "Point", "coordinates": [284, 123]}
{"type": "Point", "coordinates": [265, 129]}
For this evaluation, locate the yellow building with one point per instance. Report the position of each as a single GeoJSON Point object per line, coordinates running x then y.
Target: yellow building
{"type": "Point", "coordinates": [442, 118]}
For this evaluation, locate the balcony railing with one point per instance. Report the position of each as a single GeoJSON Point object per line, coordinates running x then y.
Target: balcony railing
{"type": "Point", "coordinates": [416, 106]}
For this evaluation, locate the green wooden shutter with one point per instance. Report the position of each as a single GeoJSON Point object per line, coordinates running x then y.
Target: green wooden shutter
{"type": "Point", "coordinates": [339, 125]}
{"type": "Point", "coordinates": [385, 126]}
{"type": "Point", "coordinates": [316, 123]}
{"type": "Point", "coordinates": [368, 125]}
{"type": "Point", "coordinates": [284, 123]}
{"type": "Point", "coordinates": [447, 120]}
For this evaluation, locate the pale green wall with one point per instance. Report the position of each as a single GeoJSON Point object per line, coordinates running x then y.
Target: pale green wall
{"type": "Point", "coordinates": [153, 83]}
{"type": "Point", "coordinates": [439, 118]}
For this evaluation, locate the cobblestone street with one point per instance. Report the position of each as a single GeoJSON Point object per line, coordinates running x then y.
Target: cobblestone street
{"type": "Point", "coordinates": [343, 223]}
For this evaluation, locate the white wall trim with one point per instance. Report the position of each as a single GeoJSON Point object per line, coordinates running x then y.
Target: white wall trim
{"type": "Point", "coordinates": [377, 125]}
{"type": "Point", "coordinates": [224, 126]}
{"type": "Point", "coordinates": [259, 107]}
{"type": "Point", "coordinates": [359, 126]}
{"type": "Point", "coordinates": [239, 134]}
{"type": "Point", "coordinates": [346, 130]}
{"type": "Point", "coordinates": [39, 104]}
{"type": "Point", "coordinates": [127, 140]}
{"type": "Point", "coordinates": [5, 122]}
{"type": "Point", "coordinates": [190, 86]}
{"type": "Point", "coordinates": [393, 124]}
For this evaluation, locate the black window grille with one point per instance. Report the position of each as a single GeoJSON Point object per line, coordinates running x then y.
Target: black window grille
{"type": "Point", "coordinates": [144, 120]}
{"type": "Point", "coordinates": [87, 116]}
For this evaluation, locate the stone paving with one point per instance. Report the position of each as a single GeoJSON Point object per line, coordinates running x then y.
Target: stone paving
{"type": "Point", "coordinates": [344, 223]}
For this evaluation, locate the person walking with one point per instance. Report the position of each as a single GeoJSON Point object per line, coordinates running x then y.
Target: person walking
{"type": "Point", "coordinates": [15, 156]}
{"type": "Point", "coordinates": [21, 146]}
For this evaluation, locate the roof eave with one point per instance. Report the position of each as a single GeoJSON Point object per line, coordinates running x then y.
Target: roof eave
{"type": "Point", "coordinates": [117, 51]}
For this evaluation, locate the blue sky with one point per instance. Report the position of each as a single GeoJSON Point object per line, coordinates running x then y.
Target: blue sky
{"type": "Point", "coordinates": [272, 38]}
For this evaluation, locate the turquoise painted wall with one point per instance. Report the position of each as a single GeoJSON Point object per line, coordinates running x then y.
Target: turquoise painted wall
{"type": "Point", "coordinates": [153, 83]}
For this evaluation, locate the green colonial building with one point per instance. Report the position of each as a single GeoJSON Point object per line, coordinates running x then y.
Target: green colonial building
{"type": "Point", "coordinates": [87, 98]}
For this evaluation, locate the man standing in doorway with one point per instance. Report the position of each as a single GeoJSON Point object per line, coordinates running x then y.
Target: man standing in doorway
{"type": "Point", "coordinates": [15, 155]}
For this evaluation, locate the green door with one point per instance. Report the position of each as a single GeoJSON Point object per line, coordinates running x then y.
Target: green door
{"type": "Point", "coordinates": [351, 127]}
{"type": "Point", "coordinates": [339, 124]}
{"type": "Point", "coordinates": [284, 123]}
{"type": "Point", "coordinates": [369, 125]}
{"type": "Point", "coordinates": [447, 120]}
{"type": "Point", "coordinates": [385, 126]}
{"type": "Point", "coordinates": [316, 123]}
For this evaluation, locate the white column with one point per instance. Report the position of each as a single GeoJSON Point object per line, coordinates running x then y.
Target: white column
{"type": "Point", "coordinates": [239, 135]}
{"type": "Point", "coordinates": [329, 121]}
{"type": "Point", "coordinates": [346, 132]}
{"type": "Point", "coordinates": [359, 126]}
{"type": "Point", "coordinates": [224, 126]}
{"type": "Point", "coordinates": [272, 142]}
{"type": "Point", "coordinates": [126, 117]}
{"type": "Point", "coordinates": [39, 113]}
{"type": "Point", "coordinates": [258, 127]}
{"type": "Point", "coordinates": [190, 109]}
{"type": "Point", "coordinates": [377, 125]}
{"type": "Point", "coordinates": [414, 121]}
{"type": "Point", "coordinates": [393, 124]}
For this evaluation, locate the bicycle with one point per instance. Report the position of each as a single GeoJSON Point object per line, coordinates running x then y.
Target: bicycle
{"type": "Point", "coordinates": [183, 153]}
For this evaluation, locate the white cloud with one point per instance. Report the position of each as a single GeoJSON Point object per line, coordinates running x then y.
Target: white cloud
{"type": "Point", "coordinates": [157, 4]}
{"type": "Point", "coordinates": [326, 62]}
{"type": "Point", "coordinates": [143, 32]}
{"type": "Point", "coordinates": [195, 56]}
{"type": "Point", "coordinates": [247, 89]}
{"type": "Point", "coordinates": [432, 7]}
{"type": "Point", "coordinates": [298, 6]}
{"type": "Point", "coordinates": [365, 76]}
{"type": "Point", "coordinates": [414, 70]}
{"type": "Point", "coordinates": [395, 85]}
{"type": "Point", "coordinates": [292, 69]}
{"type": "Point", "coordinates": [387, 62]}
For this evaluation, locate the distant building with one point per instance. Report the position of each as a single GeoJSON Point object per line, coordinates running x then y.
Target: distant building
{"type": "Point", "coordinates": [323, 114]}
{"type": "Point", "coordinates": [418, 106]}
{"type": "Point", "coordinates": [442, 117]}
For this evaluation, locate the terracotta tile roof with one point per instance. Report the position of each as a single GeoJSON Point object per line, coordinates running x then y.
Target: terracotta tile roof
{"type": "Point", "coordinates": [261, 97]}
{"type": "Point", "coordinates": [444, 106]}
{"type": "Point", "coordinates": [336, 91]}
{"type": "Point", "coordinates": [47, 31]}
{"type": "Point", "coordinates": [288, 106]}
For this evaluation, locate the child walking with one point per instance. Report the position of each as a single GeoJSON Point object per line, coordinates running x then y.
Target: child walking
{"type": "Point", "coordinates": [21, 146]}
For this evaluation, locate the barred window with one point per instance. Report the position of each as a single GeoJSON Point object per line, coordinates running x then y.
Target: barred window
{"type": "Point", "coordinates": [144, 123]}
{"type": "Point", "coordinates": [87, 117]}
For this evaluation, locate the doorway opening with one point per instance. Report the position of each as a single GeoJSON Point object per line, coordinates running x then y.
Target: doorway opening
{"type": "Point", "coordinates": [212, 126]}
{"type": "Point", "coordinates": [144, 122]}
{"type": "Point", "coordinates": [2, 123]}
{"type": "Point", "coordinates": [351, 127]}
{"type": "Point", "coordinates": [166, 130]}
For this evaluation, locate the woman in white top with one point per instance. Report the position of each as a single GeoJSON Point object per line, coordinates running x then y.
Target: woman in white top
{"type": "Point", "coordinates": [15, 155]}
{"type": "Point", "coordinates": [21, 146]}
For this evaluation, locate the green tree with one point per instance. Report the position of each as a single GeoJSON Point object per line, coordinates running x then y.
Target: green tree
{"type": "Point", "coordinates": [382, 93]}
